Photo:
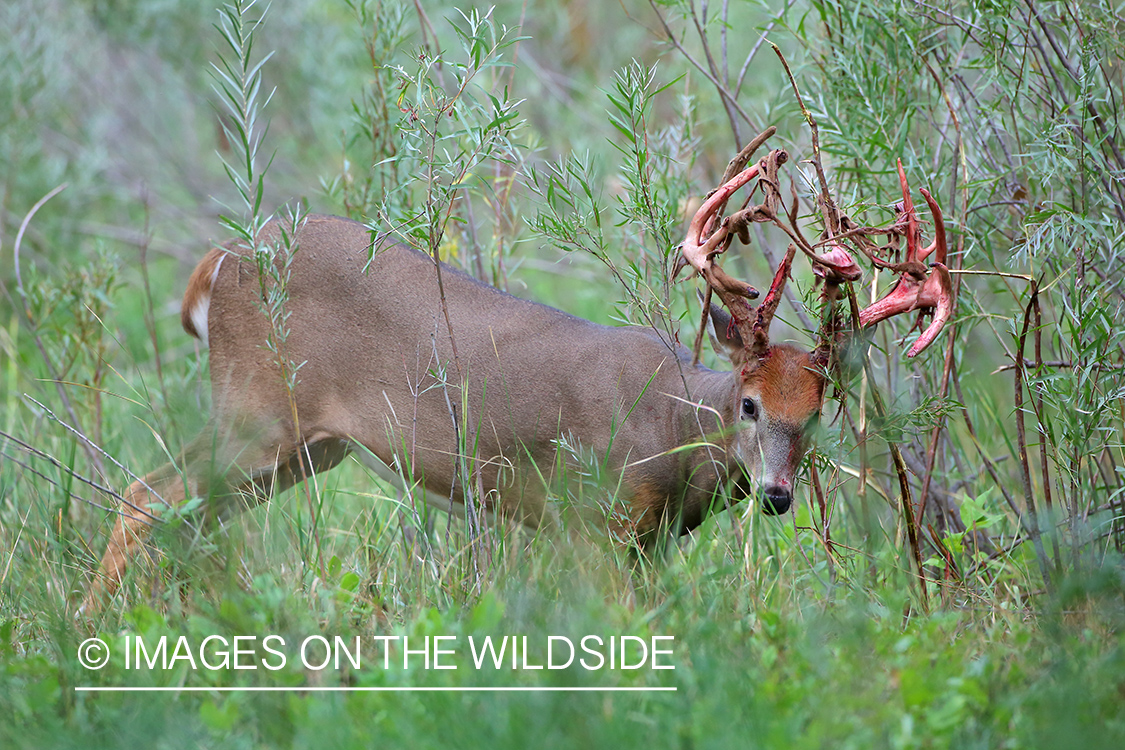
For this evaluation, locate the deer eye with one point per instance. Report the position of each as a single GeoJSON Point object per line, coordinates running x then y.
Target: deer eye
{"type": "Point", "coordinates": [749, 409]}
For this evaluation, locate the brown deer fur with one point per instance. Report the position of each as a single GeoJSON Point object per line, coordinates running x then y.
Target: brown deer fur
{"type": "Point", "coordinates": [377, 375]}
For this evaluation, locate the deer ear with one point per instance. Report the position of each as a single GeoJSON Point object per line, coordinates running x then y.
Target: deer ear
{"type": "Point", "coordinates": [725, 338]}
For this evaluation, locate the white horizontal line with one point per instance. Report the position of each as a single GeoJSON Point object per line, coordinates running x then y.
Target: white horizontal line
{"type": "Point", "coordinates": [339, 689]}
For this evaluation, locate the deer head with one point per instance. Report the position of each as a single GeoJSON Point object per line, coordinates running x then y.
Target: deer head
{"type": "Point", "coordinates": [781, 387]}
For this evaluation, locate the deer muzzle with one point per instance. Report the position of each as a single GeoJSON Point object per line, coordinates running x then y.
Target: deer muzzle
{"type": "Point", "coordinates": [776, 499]}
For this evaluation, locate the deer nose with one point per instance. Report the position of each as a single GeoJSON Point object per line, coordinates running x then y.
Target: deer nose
{"type": "Point", "coordinates": [776, 500]}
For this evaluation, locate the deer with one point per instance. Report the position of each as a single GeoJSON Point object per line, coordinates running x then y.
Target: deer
{"type": "Point", "coordinates": [405, 361]}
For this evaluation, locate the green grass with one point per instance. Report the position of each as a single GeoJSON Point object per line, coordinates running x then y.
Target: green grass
{"type": "Point", "coordinates": [811, 630]}
{"type": "Point", "coordinates": [792, 669]}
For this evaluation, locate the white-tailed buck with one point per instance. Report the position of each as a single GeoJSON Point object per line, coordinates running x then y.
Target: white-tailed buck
{"type": "Point", "coordinates": [382, 367]}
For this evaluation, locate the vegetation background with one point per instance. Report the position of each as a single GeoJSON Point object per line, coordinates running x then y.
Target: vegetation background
{"type": "Point", "coordinates": [554, 149]}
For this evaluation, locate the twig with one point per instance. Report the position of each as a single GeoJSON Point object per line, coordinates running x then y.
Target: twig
{"type": "Point", "coordinates": [750, 57]}
{"type": "Point", "coordinates": [698, 346]}
{"type": "Point", "coordinates": [1021, 438]}
{"type": "Point", "coordinates": [723, 92]}
{"type": "Point", "coordinates": [95, 447]}
{"type": "Point", "coordinates": [906, 503]}
{"type": "Point", "coordinates": [831, 213]}
{"type": "Point", "coordinates": [149, 312]}
{"type": "Point", "coordinates": [19, 237]}
{"type": "Point", "coordinates": [60, 465]}
{"type": "Point", "coordinates": [825, 533]}
{"type": "Point", "coordinates": [1044, 469]}
{"type": "Point", "coordinates": [31, 469]}
{"type": "Point", "coordinates": [947, 369]}
{"type": "Point", "coordinates": [988, 463]}
{"type": "Point", "coordinates": [1060, 363]}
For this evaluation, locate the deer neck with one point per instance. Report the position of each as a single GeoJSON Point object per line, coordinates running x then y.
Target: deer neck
{"type": "Point", "coordinates": [708, 418]}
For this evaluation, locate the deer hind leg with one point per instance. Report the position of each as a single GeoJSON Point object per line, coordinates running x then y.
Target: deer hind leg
{"type": "Point", "coordinates": [136, 516]}
{"type": "Point", "coordinates": [255, 470]}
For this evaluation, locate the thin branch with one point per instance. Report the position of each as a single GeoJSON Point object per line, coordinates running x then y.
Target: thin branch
{"type": "Point", "coordinates": [63, 467]}
{"type": "Point", "coordinates": [831, 213]}
{"type": "Point", "coordinates": [726, 95]}
{"type": "Point", "coordinates": [1021, 438]}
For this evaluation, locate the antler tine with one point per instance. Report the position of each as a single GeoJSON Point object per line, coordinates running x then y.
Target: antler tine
{"type": "Point", "coordinates": [752, 323]}
{"type": "Point", "coordinates": [939, 230]}
{"type": "Point", "coordinates": [916, 289]}
{"type": "Point", "coordinates": [698, 252]}
{"type": "Point", "coordinates": [768, 306]}
{"type": "Point", "coordinates": [913, 233]}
